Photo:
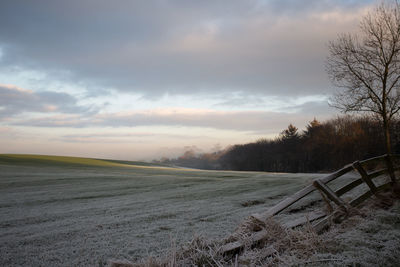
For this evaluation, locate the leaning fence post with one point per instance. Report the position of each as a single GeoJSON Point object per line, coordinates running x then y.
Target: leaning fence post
{"type": "Point", "coordinates": [328, 204]}
{"type": "Point", "coordinates": [389, 165]}
{"type": "Point", "coordinates": [365, 177]}
{"type": "Point", "coordinates": [329, 193]}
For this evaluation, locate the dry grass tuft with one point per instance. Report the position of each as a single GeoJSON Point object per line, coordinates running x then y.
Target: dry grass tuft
{"type": "Point", "coordinates": [272, 250]}
{"type": "Point", "coordinates": [281, 244]}
{"type": "Point", "coordinates": [200, 252]}
{"type": "Point", "coordinates": [245, 229]}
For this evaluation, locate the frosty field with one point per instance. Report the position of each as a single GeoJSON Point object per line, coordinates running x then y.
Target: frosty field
{"type": "Point", "coordinates": [60, 211]}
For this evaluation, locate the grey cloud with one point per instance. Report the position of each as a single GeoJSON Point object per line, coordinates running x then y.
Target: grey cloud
{"type": "Point", "coordinates": [247, 121]}
{"type": "Point", "coordinates": [53, 121]}
{"type": "Point", "coordinates": [300, 6]}
{"type": "Point", "coordinates": [14, 100]}
{"type": "Point", "coordinates": [315, 108]}
{"type": "Point", "coordinates": [241, 100]}
{"type": "Point", "coordinates": [121, 138]}
{"type": "Point", "coordinates": [139, 46]}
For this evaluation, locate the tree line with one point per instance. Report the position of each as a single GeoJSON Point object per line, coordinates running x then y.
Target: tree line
{"type": "Point", "coordinates": [321, 147]}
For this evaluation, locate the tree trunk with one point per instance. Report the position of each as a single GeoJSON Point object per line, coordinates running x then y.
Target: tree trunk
{"type": "Point", "coordinates": [386, 129]}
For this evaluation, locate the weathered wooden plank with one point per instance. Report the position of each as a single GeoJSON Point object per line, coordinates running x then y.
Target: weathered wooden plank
{"type": "Point", "coordinates": [303, 220]}
{"type": "Point", "coordinates": [365, 177]}
{"type": "Point", "coordinates": [377, 158]}
{"type": "Point", "coordinates": [355, 202]}
{"type": "Point", "coordinates": [337, 174]}
{"type": "Point", "coordinates": [284, 204]}
{"type": "Point", "coordinates": [360, 199]}
{"type": "Point", "coordinates": [348, 187]}
{"type": "Point", "coordinates": [233, 247]}
{"type": "Point", "coordinates": [238, 245]}
{"type": "Point", "coordinates": [329, 193]}
{"type": "Point", "coordinates": [377, 173]}
{"type": "Point", "coordinates": [319, 226]}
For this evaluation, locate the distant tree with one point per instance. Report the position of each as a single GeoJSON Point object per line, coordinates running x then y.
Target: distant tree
{"type": "Point", "coordinates": [289, 154]}
{"type": "Point", "coordinates": [368, 67]}
{"type": "Point", "coordinates": [290, 133]}
{"type": "Point", "coordinates": [312, 127]}
{"type": "Point", "coordinates": [312, 146]}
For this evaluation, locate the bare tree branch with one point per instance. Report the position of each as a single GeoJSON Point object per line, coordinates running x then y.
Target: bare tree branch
{"type": "Point", "coordinates": [368, 67]}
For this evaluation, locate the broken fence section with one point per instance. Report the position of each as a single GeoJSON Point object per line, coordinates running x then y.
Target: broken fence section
{"type": "Point", "coordinates": [385, 165]}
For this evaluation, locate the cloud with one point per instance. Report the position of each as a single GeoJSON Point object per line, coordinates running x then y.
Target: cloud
{"type": "Point", "coordinates": [8, 132]}
{"type": "Point", "coordinates": [134, 137]}
{"type": "Point", "coordinates": [122, 77]}
{"type": "Point", "coordinates": [15, 100]}
{"type": "Point", "coordinates": [178, 47]}
{"type": "Point", "coordinates": [246, 121]}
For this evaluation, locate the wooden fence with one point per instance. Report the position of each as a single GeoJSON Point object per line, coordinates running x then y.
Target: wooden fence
{"type": "Point", "coordinates": [382, 165]}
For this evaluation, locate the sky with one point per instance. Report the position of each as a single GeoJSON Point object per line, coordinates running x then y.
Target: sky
{"type": "Point", "coordinates": [141, 80]}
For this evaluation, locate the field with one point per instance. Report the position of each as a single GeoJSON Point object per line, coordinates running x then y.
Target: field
{"type": "Point", "coordinates": [62, 211]}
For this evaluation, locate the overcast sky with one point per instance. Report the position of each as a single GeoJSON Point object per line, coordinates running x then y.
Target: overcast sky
{"type": "Point", "coordinates": [145, 79]}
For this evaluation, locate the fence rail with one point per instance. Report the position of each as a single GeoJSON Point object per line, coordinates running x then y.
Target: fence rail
{"type": "Point", "coordinates": [323, 218]}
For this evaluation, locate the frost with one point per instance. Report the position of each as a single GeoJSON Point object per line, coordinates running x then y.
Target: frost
{"type": "Point", "coordinates": [88, 216]}
{"type": "Point", "coordinates": [80, 215]}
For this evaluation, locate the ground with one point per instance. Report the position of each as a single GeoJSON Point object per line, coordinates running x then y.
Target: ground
{"type": "Point", "coordinates": [69, 212]}
{"type": "Point", "coordinates": [58, 211]}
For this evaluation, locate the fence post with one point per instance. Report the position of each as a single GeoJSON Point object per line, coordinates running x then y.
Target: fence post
{"type": "Point", "coordinates": [329, 193]}
{"type": "Point", "coordinates": [365, 177]}
{"type": "Point", "coordinates": [327, 202]}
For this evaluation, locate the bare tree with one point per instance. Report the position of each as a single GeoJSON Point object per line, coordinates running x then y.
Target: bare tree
{"type": "Point", "coordinates": [367, 67]}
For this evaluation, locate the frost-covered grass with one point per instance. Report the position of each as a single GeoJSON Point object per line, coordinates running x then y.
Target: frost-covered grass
{"type": "Point", "coordinates": [63, 211]}
{"type": "Point", "coordinates": [370, 239]}
{"type": "Point", "coordinates": [370, 236]}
